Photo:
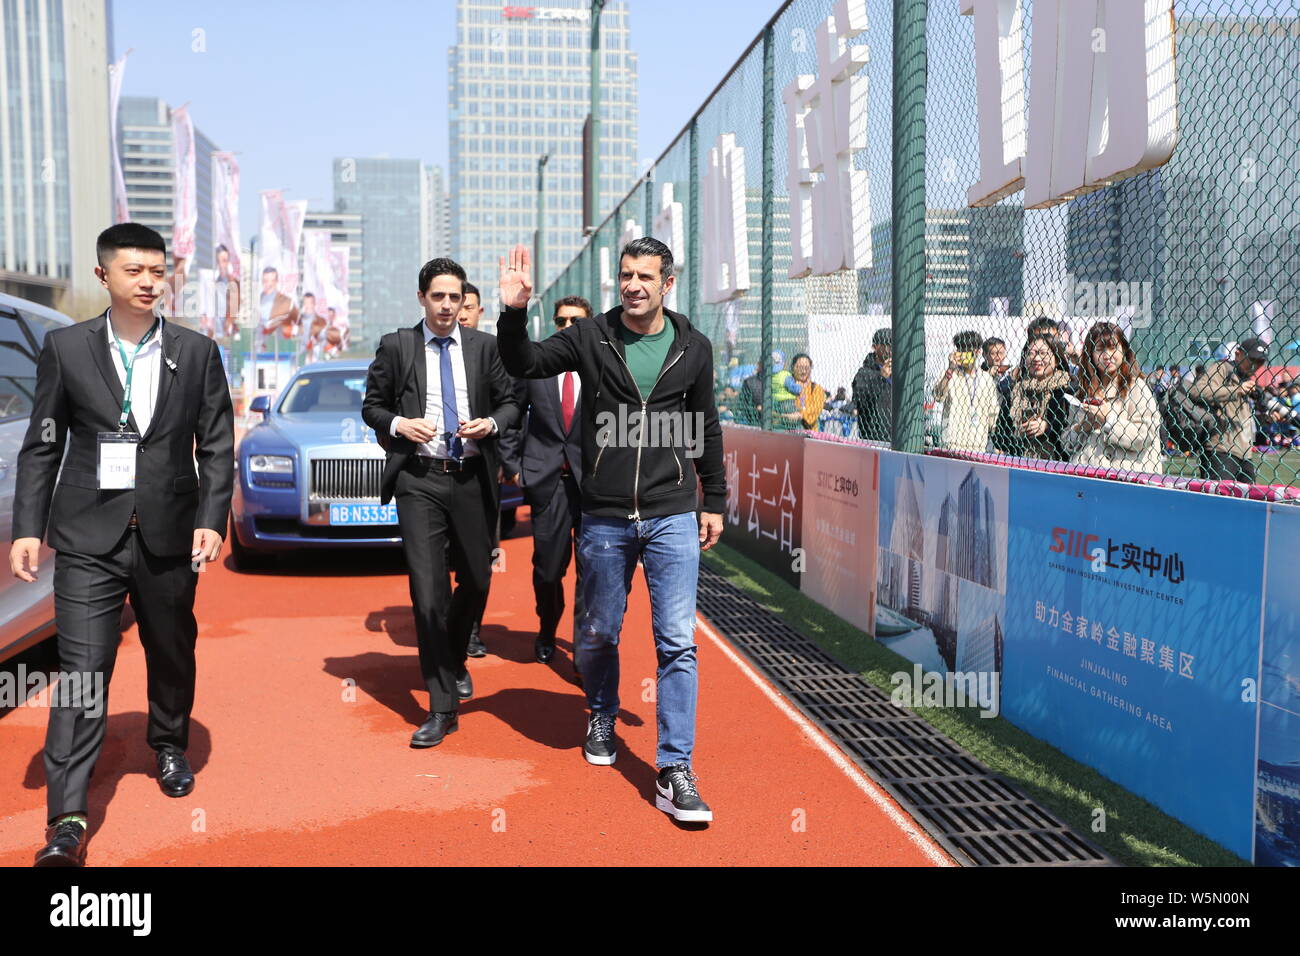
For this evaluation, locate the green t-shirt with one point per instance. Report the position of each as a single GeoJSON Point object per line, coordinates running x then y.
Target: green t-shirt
{"type": "Point", "coordinates": [646, 354]}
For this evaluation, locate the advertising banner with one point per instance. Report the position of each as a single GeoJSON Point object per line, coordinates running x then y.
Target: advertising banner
{"type": "Point", "coordinates": [338, 327]}
{"type": "Point", "coordinates": [1133, 640]}
{"type": "Point", "coordinates": [225, 238]}
{"type": "Point", "coordinates": [185, 201]}
{"type": "Point", "coordinates": [840, 499]}
{"type": "Point", "coordinates": [764, 484]}
{"type": "Point", "coordinates": [116, 72]}
{"type": "Point", "coordinates": [317, 275]}
{"type": "Point", "coordinates": [942, 570]}
{"type": "Point", "coordinates": [1277, 794]}
{"type": "Point", "coordinates": [278, 239]}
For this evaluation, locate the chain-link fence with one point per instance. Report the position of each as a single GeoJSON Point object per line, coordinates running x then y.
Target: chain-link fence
{"type": "Point", "coordinates": [1146, 325]}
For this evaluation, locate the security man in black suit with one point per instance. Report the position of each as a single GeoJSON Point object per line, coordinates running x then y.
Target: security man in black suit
{"type": "Point", "coordinates": [545, 458]}
{"type": "Point", "coordinates": [437, 397]}
{"type": "Point", "coordinates": [134, 402]}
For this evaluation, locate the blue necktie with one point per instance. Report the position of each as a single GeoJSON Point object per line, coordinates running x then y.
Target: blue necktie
{"type": "Point", "coordinates": [450, 418]}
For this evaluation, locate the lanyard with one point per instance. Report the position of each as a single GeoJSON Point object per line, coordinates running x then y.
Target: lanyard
{"type": "Point", "coordinates": [130, 368]}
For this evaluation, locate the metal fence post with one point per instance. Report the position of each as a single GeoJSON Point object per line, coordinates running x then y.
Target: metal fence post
{"type": "Point", "coordinates": [769, 185]}
{"type": "Point", "coordinates": [907, 260]}
{"type": "Point", "coordinates": [693, 227]}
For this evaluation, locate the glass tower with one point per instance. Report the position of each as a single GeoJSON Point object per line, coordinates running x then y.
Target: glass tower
{"type": "Point", "coordinates": [519, 80]}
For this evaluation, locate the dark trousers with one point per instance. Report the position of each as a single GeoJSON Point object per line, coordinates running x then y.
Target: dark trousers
{"type": "Point", "coordinates": [554, 530]}
{"type": "Point", "coordinates": [1220, 466]}
{"type": "Point", "coordinates": [89, 592]}
{"type": "Point", "coordinates": [434, 510]}
{"type": "Point", "coordinates": [451, 558]}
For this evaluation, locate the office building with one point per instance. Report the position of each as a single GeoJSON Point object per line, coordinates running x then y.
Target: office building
{"type": "Point", "coordinates": [435, 215]}
{"type": "Point", "coordinates": [519, 86]}
{"type": "Point", "coordinates": [54, 108]}
{"type": "Point", "coordinates": [386, 196]}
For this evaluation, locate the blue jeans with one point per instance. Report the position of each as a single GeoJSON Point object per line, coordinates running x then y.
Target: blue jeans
{"type": "Point", "coordinates": [669, 548]}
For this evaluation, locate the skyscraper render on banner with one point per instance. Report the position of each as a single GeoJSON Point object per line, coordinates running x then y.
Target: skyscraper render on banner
{"type": "Point", "coordinates": [519, 80]}
{"type": "Point", "coordinates": [55, 167]}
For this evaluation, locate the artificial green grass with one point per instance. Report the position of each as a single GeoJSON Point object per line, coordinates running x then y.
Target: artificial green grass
{"type": "Point", "coordinates": [1136, 832]}
{"type": "Point", "coordinates": [1271, 468]}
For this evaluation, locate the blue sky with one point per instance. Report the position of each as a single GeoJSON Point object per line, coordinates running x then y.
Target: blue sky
{"type": "Point", "coordinates": [290, 85]}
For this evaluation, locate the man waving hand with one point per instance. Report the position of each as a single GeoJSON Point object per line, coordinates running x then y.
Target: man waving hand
{"type": "Point", "coordinates": [651, 442]}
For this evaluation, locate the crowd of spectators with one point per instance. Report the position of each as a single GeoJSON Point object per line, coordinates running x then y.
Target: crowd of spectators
{"type": "Point", "coordinates": [1079, 399]}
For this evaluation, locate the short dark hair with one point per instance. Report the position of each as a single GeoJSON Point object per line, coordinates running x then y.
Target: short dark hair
{"type": "Point", "coordinates": [574, 300]}
{"type": "Point", "coordinates": [968, 341]}
{"type": "Point", "coordinates": [440, 267]}
{"type": "Point", "coordinates": [798, 356]}
{"type": "Point", "coordinates": [1043, 324]}
{"type": "Point", "coordinates": [270, 269]}
{"type": "Point", "coordinates": [649, 246]}
{"type": "Point", "coordinates": [127, 235]}
{"type": "Point", "coordinates": [307, 294]}
{"type": "Point", "coordinates": [989, 343]}
{"type": "Point", "coordinates": [472, 289]}
{"type": "Point", "coordinates": [884, 336]}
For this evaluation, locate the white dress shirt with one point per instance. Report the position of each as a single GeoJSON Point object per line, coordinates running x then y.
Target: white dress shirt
{"type": "Point", "coordinates": [146, 366]}
{"type": "Point", "coordinates": [433, 395]}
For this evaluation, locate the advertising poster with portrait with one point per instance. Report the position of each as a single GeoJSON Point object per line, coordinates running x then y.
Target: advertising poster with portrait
{"type": "Point", "coordinates": [225, 237]}
{"type": "Point", "coordinates": [1133, 640]}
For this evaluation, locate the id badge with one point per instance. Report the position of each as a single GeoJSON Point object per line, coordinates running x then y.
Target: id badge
{"type": "Point", "coordinates": [117, 460]}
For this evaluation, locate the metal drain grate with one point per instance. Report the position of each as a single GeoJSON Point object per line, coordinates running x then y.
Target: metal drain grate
{"type": "Point", "coordinates": [980, 818]}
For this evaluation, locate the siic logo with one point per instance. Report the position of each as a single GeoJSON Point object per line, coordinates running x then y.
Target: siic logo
{"type": "Point", "coordinates": [1120, 555]}
{"type": "Point", "coordinates": [1073, 544]}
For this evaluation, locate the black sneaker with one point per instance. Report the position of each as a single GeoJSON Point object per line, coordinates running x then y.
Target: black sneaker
{"type": "Point", "coordinates": [678, 797]}
{"type": "Point", "coordinates": [599, 748]}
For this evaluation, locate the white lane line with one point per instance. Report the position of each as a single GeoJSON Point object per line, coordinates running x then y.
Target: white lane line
{"type": "Point", "coordinates": [819, 740]}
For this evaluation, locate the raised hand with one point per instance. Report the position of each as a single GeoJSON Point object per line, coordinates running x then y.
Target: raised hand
{"type": "Point", "coordinates": [516, 278]}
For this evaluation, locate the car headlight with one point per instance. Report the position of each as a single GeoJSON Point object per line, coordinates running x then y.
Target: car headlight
{"type": "Point", "coordinates": [270, 464]}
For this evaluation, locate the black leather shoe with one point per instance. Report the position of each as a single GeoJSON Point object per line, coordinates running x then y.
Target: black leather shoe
{"type": "Point", "coordinates": [544, 650]}
{"type": "Point", "coordinates": [175, 778]}
{"type": "Point", "coordinates": [476, 647]}
{"type": "Point", "coordinates": [434, 729]}
{"type": "Point", "coordinates": [464, 685]}
{"type": "Point", "coordinates": [65, 845]}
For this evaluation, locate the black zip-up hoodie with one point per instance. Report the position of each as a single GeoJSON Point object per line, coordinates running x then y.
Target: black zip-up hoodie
{"type": "Point", "coordinates": [631, 471]}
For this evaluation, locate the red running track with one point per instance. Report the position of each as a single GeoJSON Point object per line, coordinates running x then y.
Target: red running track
{"type": "Point", "coordinates": [309, 690]}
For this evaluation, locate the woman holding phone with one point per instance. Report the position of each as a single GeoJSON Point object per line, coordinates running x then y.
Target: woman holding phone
{"type": "Point", "coordinates": [1031, 423]}
{"type": "Point", "coordinates": [1116, 420]}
